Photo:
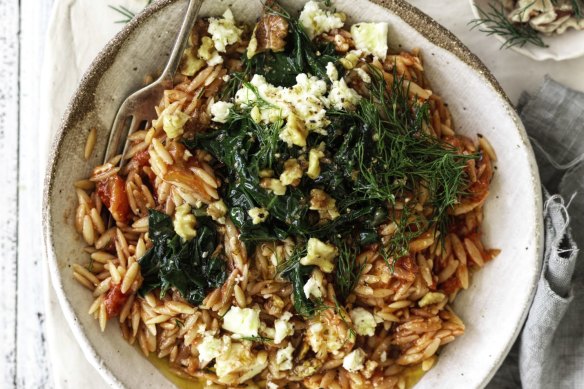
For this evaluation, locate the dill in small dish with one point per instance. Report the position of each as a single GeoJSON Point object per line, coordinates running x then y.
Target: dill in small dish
{"type": "Point", "coordinates": [523, 22]}
{"type": "Point", "coordinates": [300, 214]}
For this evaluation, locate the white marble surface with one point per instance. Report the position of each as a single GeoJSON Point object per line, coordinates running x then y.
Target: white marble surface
{"type": "Point", "coordinates": [24, 140]}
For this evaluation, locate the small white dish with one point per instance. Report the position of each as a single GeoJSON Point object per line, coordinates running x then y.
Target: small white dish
{"type": "Point", "coordinates": [498, 300]}
{"type": "Point", "coordinates": [562, 47]}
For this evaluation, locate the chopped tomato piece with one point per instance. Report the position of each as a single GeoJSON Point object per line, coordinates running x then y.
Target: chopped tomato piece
{"type": "Point", "coordinates": [115, 300]}
{"type": "Point", "coordinates": [408, 264]}
{"type": "Point", "coordinates": [141, 158]}
{"type": "Point", "coordinates": [451, 285]}
{"type": "Point", "coordinates": [112, 193]}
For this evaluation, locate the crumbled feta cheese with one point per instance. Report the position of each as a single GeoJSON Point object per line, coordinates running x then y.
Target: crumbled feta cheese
{"type": "Point", "coordinates": [320, 254]}
{"type": "Point", "coordinates": [316, 337]}
{"type": "Point", "coordinates": [302, 106]}
{"type": "Point", "coordinates": [246, 97]}
{"type": "Point", "coordinates": [220, 111]}
{"type": "Point", "coordinates": [313, 287]}
{"type": "Point", "coordinates": [272, 385]}
{"type": "Point", "coordinates": [184, 222]}
{"type": "Point", "coordinates": [284, 358]}
{"type": "Point", "coordinates": [224, 32]}
{"type": "Point", "coordinates": [273, 184]}
{"type": "Point", "coordinates": [307, 98]}
{"type": "Point", "coordinates": [173, 123]}
{"type": "Point", "coordinates": [283, 327]}
{"type": "Point", "coordinates": [292, 172]}
{"type": "Point", "coordinates": [365, 77]}
{"type": "Point", "coordinates": [217, 211]}
{"type": "Point", "coordinates": [208, 52]}
{"type": "Point", "coordinates": [431, 298]}
{"type": "Point", "coordinates": [354, 360]}
{"type": "Point", "coordinates": [332, 72]}
{"type": "Point", "coordinates": [238, 358]}
{"type": "Point", "coordinates": [202, 329]}
{"type": "Point", "coordinates": [343, 97]}
{"type": "Point", "coordinates": [242, 321]}
{"type": "Point", "coordinates": [258, 215]}
{"type": "Point", "coordinates": [371, 38]}
{"type": "Point", "coordinates": [363, 321]}
{"type": "Point", "coordinates": [314, 157]}
{"type": "Point", "coordinates": [317, 21]}
{"type": "Point", "coordinates": [209, 349]}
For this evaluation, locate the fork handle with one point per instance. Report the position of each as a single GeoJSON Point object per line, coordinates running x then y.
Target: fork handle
{"type": "Point", "coordinates": [181, 41]}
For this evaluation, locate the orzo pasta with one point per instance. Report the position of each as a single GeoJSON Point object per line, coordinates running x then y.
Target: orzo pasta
{"type": "Point", "coordinates": [301, 213]}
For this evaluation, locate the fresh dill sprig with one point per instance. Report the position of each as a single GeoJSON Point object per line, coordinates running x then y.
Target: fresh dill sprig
{"type": "Point", "coordinates": [125, 12]}
{"type": "Point", "coordinates": [292, 261]}
{"type": "Point", "coordinates": [258, 339]}
{"type": "Point", "coordinates": [397, 126]}
{"type": "Point", "coordinates": [495, 22]}
{"type": "Point", "coordinates": [578, 8]}
{"type": "Point", "coordinates": [347, 271]}
{"type": "Point", "coordinates": [410, 225]}
{"type": "Point", "coordinates": [269, 137]}
{"type": "Point", "coordinates": [201, 93]}
{"type": "Point", "coordinates": [389, 260]}
{"type": "Point", "coordinates": [341, 312]}
{"type": "Point", "coordinates": [266, 134]}
{"type": "Point", "coordinates": [396, 157]}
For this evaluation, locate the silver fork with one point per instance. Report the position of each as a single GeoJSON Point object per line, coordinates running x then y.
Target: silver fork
{"type": "Point", "coordinates": [139, 106]}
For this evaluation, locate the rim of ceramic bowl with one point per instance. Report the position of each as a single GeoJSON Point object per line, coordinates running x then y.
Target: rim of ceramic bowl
{"type": "Point", "coordinates": [534, 52]}
{"type": "Point", "coordinates": [83, 97]}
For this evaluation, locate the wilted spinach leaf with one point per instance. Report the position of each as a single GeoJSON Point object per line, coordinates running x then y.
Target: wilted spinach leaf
{"type": "Point", "coordinates": [298, 275]}
{"type": "Point", "coordinates": [191, 267]}
{"type": "Point", "coordinates": [160, 227]}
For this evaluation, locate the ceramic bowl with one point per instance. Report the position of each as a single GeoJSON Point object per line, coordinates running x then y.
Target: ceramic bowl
{"type": "Point", "coordinates": [495, 305]}
{"type": "Point", "coordinates": [559, 47]}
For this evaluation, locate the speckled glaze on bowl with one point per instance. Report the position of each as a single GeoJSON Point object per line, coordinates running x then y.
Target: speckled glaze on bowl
{"type": "Point", "coordinates": [495, 305]}
{"type": "Point", "coordinates": [568, 45]}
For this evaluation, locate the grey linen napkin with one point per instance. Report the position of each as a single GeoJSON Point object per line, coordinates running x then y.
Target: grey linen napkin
{"type": "Point", "coordinates": [550, 350]}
